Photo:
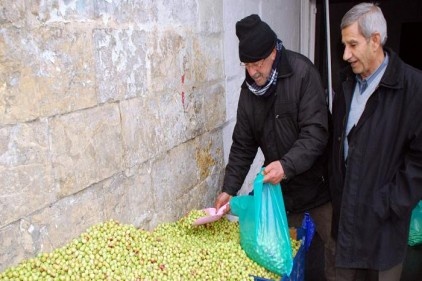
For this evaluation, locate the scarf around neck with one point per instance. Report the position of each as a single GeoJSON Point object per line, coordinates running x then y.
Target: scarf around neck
{"type": "Point", "coordinates": [269, 87]}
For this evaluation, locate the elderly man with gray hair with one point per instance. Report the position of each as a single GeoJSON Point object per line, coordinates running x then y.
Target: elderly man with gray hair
{"type": "Point", "coordinates": [376, 152]}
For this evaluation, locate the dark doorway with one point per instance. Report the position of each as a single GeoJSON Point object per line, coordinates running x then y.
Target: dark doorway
{"type": "Point", "coordinates": [410, 51]}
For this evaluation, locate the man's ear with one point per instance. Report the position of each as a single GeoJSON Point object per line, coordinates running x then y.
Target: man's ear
{"type": "Point", "coordinates": [376, 41]}
{"type": "Point", "coordinates": [273, 54]}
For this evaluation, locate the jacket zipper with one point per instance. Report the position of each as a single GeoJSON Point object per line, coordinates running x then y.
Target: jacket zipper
{"type": "Point", "coordinates": [341, 144]}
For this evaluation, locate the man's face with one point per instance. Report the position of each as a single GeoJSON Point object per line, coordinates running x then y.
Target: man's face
{"type": "Point", "coordinates": [261, 70]}
{"type": "Point", "coordinates": [359, 51]}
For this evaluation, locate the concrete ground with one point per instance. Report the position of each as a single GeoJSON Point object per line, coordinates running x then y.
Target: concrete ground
{"type": "Point", "coordinates": [314, 268]}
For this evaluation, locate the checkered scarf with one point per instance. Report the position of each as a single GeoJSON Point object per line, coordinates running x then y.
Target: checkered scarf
{"type": "Point", "coordinates": [269, 87]}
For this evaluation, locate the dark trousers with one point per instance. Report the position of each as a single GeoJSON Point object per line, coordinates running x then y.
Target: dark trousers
{"type": "Point", "coordinates": [322, 219]}
{"type": "Point", "coordinates": [350, 274]}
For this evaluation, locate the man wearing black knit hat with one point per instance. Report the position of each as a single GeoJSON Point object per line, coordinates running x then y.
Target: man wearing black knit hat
{"type": "Point", "coordinates": [282, 110]}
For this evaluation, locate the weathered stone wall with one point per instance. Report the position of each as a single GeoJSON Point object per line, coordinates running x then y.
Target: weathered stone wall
{"type": "Point", "coordinates": [108, 109]}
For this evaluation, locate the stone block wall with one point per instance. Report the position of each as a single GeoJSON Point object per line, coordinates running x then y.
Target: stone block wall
{"type": "Point", "coordinates": [108, 109]}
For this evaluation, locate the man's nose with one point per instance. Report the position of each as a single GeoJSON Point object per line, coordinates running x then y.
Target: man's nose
{"type": "Point", "coordinates": [346, 54]}
{"type": "Point", "coordinates": [252, 71]}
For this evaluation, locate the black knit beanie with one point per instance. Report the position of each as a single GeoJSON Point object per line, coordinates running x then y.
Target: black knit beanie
{"type": "Point", "coordinates": [256, 39]}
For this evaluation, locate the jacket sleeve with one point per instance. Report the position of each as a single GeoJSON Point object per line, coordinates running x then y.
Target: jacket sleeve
{"type": "Point", "coordinates": [242, 152]}
{"type": "Point", "coordinates": [312, 123]}
{"type": "Point", "coordinates": [406, 188]}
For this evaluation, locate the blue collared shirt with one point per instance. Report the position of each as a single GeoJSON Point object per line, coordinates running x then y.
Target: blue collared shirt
{"type": "Point", "coordinates": [364, 89]}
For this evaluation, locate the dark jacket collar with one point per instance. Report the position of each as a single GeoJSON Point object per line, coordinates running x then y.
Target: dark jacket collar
{"type": "Point", "coordinates": [393, 76]}
{"type": "Point", "coordinates": [284, 67]}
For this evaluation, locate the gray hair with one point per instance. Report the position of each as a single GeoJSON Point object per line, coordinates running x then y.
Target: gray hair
{"type": "Point", "coordinates": [370, 20]}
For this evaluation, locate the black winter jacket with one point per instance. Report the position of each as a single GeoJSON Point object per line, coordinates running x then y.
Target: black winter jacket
{"type": "Point", "coordinates": [373, 197]}
{"type": "Point", "coordinates": [290, 126]}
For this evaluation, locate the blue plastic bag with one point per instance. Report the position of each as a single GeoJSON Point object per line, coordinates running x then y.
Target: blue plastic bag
{"type": "Point", "coordinates": [264, 230]}
{"type": "Point", "coordinates": [308, 225]}
{"type": "Point", "coordinates": [415, 231]}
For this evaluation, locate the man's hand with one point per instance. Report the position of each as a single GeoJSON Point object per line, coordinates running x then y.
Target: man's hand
{"type": "Point", "coordinates": [274, 172]}
{"type": "Point", "coordinates": [222, 200]}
